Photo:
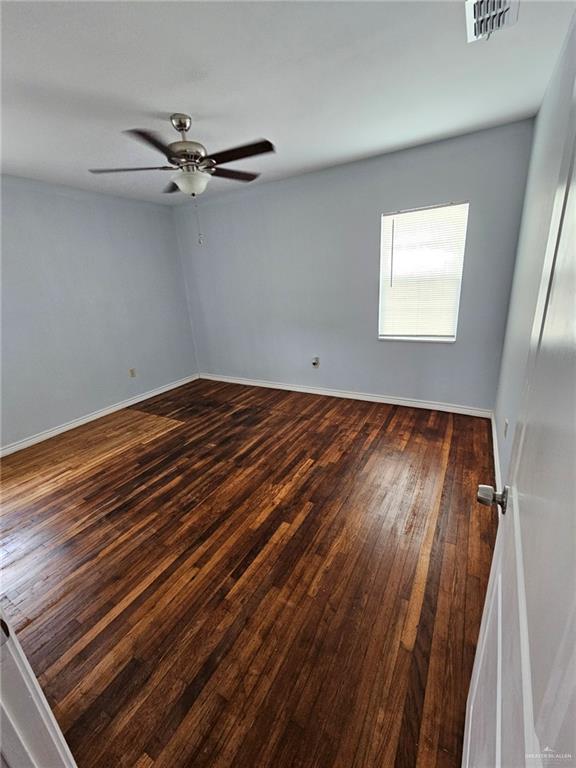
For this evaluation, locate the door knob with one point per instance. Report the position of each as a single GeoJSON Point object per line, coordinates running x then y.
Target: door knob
{"type": "Point", "coordinates": [488, 496]}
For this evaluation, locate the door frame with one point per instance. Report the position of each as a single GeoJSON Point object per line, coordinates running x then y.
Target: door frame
{"type": "Point", "coordinates": [31, 734]}
{"type": "Point", "coordinates": [510, 526]}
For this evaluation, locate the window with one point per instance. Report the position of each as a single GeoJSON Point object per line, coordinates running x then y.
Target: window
{"type": "Point", "coordinates": [421, 261]}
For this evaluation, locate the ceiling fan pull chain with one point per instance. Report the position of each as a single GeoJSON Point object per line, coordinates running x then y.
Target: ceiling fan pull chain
{"type": "Point", "coordinates": [200, 235]}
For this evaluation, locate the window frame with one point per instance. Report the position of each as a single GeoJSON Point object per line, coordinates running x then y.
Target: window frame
{"type": "Point", "coordinates": [420, 338]}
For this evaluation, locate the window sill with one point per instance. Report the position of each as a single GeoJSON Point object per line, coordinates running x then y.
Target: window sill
{"type": "Point", "coordinates": [433, 339]}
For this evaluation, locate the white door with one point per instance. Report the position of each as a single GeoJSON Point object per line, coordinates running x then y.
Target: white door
{"type": "Point", "coordinates": [30, 734]}
{"type": "Point", "coordinates": [522, 699]}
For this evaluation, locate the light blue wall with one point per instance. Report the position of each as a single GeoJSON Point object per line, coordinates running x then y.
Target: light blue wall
{"type": "Point", "coordinates": [289, 270]}
{"type": "Point", "coordinates": [92, 286]}
{"type": "Point", "coordinates": [549, 143]}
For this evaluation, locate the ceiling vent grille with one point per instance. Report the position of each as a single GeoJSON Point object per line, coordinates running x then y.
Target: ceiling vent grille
{"type": "Point", "coordinates": [483, 17]}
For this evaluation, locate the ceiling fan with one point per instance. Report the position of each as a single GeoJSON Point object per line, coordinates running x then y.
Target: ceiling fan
{"type": "Point", "coordinates": [193, 165]}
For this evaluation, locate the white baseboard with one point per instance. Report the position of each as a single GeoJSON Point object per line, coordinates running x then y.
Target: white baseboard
{"type": "Point", "coordinates": [48, 433]}
{"type": "Point", "coordinates": [389, 400]}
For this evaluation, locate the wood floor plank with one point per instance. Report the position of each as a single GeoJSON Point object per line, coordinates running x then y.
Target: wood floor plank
{"type": "Point", "coordinates": [236, 576]}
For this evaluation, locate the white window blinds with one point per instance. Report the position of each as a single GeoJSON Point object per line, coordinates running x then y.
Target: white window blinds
{"type": "Point", "coordinates": [421, 261]}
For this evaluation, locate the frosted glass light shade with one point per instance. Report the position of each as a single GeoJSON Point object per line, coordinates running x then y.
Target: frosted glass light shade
{"type": "Point", "coordinates": [191, 182]}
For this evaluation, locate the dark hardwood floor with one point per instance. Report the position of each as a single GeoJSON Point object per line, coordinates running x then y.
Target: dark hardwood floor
{"type": "Point", "coordinates": [234, 576]}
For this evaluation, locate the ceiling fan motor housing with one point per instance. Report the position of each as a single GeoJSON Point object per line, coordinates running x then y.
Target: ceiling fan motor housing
{"type": "Point", "coordinates": [187, 150]}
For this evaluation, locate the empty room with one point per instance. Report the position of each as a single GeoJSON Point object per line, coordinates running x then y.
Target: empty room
{"type": "Point", "coordinates": [288, 384]}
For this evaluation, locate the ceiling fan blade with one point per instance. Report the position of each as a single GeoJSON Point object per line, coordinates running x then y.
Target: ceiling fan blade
{"type": "Point", "coordinates": [124, 170]}
{"type": "Point", "coordinates": [151, 139]}
{"type": "Point", "coordinates": [171, 187]}
{"type": "Point", "coordinates": [247, 150]}
{"type": "Point", "coordinates": [228, 173]}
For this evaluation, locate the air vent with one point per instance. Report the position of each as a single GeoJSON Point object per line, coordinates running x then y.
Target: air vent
{"type": "Point", "coordinates": [483, 17]}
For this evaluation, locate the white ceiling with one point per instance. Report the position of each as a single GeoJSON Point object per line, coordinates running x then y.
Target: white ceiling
{"type": "Point", "coordinates": [327, 82]}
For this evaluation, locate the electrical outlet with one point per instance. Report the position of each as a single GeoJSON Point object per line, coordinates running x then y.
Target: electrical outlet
{"type": "Point", "coordinates": [132, 373]}
{"type": "Point", "coordinates": [506, 423]}
{"type": "Point", "coordinates": [315, 362]}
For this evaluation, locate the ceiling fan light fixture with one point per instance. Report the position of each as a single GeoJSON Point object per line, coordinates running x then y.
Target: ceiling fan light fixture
{"type": "Point", "coordinates": [190, 160]}
{"type": "Point", "coordinates": [191, 182]}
